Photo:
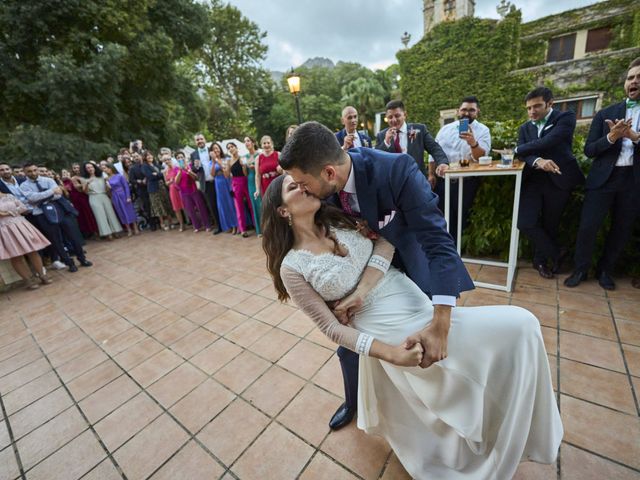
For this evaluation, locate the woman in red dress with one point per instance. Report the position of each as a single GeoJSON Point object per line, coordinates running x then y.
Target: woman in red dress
{"type": "Point", "coordinates": [73, 184]}
{"type": "Point", "coordinates": [266, 166]}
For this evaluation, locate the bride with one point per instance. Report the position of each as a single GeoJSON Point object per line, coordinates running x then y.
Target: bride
{"type": "Point", "coordinates": [474, 415]}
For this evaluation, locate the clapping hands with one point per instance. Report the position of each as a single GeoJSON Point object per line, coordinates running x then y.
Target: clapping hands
{"type": "Point", "coordinates": [621, 129]}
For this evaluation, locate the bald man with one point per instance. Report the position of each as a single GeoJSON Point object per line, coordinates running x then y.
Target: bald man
{"type": "Point", "coordinates": [349, 136]}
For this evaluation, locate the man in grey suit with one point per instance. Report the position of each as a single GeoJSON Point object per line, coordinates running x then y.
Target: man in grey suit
{"type": "Point", "coordinates": [411, 138]}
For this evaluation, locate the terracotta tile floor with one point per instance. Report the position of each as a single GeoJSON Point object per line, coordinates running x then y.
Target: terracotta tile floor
{"type": "Point", "coordinates": [171, 359]}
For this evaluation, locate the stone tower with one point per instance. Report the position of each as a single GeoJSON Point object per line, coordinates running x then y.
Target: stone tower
{"type": "Point", "coordinates": [436, 11]}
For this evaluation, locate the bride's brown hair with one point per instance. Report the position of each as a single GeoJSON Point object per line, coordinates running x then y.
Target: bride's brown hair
{"type": "Point", "coordinates": [277, 235]}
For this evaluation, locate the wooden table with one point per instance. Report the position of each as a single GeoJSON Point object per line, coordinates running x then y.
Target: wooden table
{"type": "Point", "coordinates": [477, 170]}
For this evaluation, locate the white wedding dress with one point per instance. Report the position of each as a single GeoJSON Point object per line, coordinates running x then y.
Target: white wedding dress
{"type": "Point", "coordinates": [475, 415]}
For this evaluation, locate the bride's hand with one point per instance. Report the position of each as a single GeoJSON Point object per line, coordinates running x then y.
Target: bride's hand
{"type": "Point", "coordinates": [345, 309]}
{"type": "Point", "coordinates": [404, 357]}
{"type": "Point", "coordinates": [434, 341]}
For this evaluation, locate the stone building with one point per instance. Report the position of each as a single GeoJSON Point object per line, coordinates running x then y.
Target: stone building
{"type": "Point", "coordinates": [436, 11]}
{"type": "Point", "coordinates": [570, 49]}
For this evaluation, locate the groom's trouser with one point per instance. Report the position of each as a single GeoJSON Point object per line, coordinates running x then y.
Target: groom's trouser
{"type": "Point", "coordinates": [349, 363]}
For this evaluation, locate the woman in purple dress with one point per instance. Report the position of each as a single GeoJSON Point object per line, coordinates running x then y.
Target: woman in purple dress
{"type": "Point", "coordinates": [121, 199]}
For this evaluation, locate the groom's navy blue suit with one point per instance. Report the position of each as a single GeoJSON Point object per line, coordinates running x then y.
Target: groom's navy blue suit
{"type": "Point", "coordinates": [386, 183]}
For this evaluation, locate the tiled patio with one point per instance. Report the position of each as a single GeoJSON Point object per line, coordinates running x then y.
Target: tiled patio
{"type": "Point", "coordinates": [171, 359]}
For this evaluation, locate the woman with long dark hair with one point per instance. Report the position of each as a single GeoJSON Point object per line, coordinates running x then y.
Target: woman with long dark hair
{"type": "Point", "coordinates": [226, 211]}
{"type": "Point", "coordinates": [238, 171]}
{"type": "Point", "coordinates": [474, 414]}
{"type": "Point", "coordinates": [158, 194]}
{"type": "Point", "coordinates": [86, 219]}
{"type": "Point", "coordinates": [121, 199]}
{"type": "Point", "coordinates": [250, 162]}
{"type": "Point", "coordinates": [97, 188]}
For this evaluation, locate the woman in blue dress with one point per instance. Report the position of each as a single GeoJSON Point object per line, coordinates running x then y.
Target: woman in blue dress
{"type": "Point", "coordinates": [226, 210]}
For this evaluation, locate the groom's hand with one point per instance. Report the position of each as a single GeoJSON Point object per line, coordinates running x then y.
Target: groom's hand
{"type": "Point", "coordinates": [433, 337]}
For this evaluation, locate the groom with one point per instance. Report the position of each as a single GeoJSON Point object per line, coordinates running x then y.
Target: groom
{"type": "Point", "coordinates": [387, 191]}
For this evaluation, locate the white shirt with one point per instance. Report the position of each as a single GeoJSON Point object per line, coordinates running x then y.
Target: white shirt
{"type": "Point", "coordinates": [449, 139]}
{"type": "Point", "coordinates": [350, 188]}
{"type": "Point", "coordinates": [542, 125]}
{"type": "Point", "coordinates": [356, 139]}
{"type": "Point", "coordinates": [626, 153]}
{"type": "Point", "coordinates": [205, 160]}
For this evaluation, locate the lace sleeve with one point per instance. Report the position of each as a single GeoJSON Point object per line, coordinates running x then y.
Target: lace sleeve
{"type": "Point", "coordinates": [317, 310]}
{"type": "Point", "coordinates": [382, 255]}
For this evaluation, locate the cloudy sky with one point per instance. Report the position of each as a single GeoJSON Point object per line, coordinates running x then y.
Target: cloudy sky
{"type": "Point", "coordinates": [364, 31]}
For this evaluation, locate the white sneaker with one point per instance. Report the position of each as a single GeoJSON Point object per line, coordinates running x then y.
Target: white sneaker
{"type": "Point", "coordinates": [58, 265]}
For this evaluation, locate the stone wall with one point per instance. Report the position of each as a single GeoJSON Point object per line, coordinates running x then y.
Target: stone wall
{"type": "Point", "coordinates": [575, 72]}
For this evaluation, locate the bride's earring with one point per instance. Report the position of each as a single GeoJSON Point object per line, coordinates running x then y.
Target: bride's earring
{"type": "Point", "coordinates": [290, 220]}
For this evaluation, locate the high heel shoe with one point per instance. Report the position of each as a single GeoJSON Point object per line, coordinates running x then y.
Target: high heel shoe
{"type": "Point", "coordinates": [44, 279]}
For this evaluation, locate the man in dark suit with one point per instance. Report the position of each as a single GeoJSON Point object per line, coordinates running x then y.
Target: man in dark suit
{"type": "Point", "coordinates": [551, 172]}
{"type": "Point", "coordinates": [349, 136]}
{"type": "Point", "coordinates": [613, 183]}
{"type": "Point", "coordinates": [387, 192]}
{"type": "Point", "coordinates": [139, 182]}
{"type": "Point", "coordinates": [205, 177]}
{"type": "Point", "coordinates": [411, 138]}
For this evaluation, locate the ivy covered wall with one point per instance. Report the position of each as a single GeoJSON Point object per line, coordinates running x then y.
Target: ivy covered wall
{"type": "Point", "coordinates": [487, 58]}
{"type": "Point", "coordinates": [469, 56]}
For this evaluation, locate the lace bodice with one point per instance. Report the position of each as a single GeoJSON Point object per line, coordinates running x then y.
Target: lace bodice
{"type": "Point", "coordinates": [331, 275]}
{"type": "Point", "coordinates": [314, 279]}
{"type": "Point", "coordinates": [10, 204]}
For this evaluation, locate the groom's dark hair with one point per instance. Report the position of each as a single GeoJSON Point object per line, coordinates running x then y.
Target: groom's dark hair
{"type": "Point", "coordinates": [311, 147]}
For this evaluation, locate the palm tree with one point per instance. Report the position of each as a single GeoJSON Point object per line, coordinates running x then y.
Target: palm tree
{"type": "Point", "coordinates": [366, 95]}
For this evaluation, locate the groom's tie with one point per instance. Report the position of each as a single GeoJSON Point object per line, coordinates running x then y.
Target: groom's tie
{"type": "Point", "coordinates": [344, 202]}
{"type": "Point", "coordinates": [396, 142]}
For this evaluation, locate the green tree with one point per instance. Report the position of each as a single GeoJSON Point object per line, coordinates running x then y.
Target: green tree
{"type": "Point", "coordinates": [81, 77]}
{"type": "Point", "coordinates": [228, 69]}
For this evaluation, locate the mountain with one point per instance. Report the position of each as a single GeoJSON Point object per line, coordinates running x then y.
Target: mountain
{"type": "Point", "coordinates": [309, 63]}
{"type": "Point", "coordinates": [318, 62]}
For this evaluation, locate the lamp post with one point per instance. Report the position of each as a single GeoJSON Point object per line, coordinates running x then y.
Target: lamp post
{"type": "Point", "coordinates": [293, 80]}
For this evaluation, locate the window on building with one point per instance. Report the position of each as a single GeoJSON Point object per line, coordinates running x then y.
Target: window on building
{"type": "Point", "coordinates": [598, 39]}
{"type": "Point", "coordinates": [448, 116]}
{"type": "Point", "coordinates": [561, 48]}
{"type": "Point", "coordinates": [450, 9]}
{"type": "Point", "coordinates": [583, 107]}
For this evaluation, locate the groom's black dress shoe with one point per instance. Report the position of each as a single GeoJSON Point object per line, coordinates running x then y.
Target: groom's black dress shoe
{"type": "Point", "coordinates": [342, 417]}
{"type": "Point", "coordinates": [543, 270]}
{"type": "Point", "coordinates": [606, 281]}
{"type": "Point", "coordinates": [575, 278]}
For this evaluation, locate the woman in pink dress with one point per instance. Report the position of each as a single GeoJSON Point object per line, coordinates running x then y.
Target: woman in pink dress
{"type": "Point", "coordinates": [19, 238]}
{"type": "Point", "coordinates": [238, 171]}
{"type": "Point", "coordinates": [170, 173]}
{"type": "Point", "coordinates": [192, 198]}
{"type": "Point", "coordinates": [266, 166]}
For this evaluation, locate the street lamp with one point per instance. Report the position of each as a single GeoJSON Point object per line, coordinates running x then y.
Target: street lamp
{"type": "Point", "coordinates": [293, 80]}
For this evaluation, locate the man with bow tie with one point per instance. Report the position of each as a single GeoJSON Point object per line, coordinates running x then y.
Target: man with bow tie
{"type": "Point", "coordinates": [551, 172]}
{"type": "Point", "coordinates": [349, 136]}
{"type": "Point", "coordinates": [613, 183]}
{"type": "Point", "coordinates": [201, 165]}
{"type": "Point", "coordinates": [411, 138]}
